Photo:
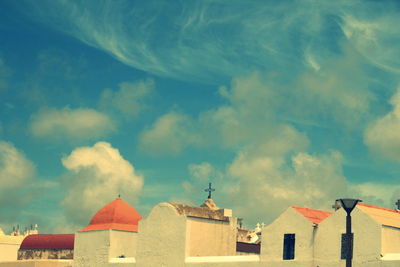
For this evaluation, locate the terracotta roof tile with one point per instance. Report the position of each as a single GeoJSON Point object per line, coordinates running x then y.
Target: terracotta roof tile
{"type": "Point", "coordinates": [384, 216]}
{"type": "Point", "coordinates": [314, 216]}
{"type": "Point", "coordinates": [61, 241]}
{"type": "Point", "coordinates": [117, 215]}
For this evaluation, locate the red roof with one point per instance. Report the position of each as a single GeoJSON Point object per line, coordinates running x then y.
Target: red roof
{"type": "Point", "coordinates": [376, 207]}
{"type": "Point", "coordinates": [314, 216]}
{"type": "Point", "coordinates": [64, 241]}
{"type": "Point", "coordinates": [117, 215]}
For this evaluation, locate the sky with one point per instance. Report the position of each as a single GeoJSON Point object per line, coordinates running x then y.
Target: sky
{"type": "Point", "coordinates": [276, 103]}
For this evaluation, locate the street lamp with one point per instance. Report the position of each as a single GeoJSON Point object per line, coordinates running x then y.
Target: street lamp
{"type": "Point", "coordinates": [348, 205]}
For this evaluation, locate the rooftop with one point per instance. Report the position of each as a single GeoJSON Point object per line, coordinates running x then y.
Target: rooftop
{"type": "Point", "coordinates": [384, 216]}
{"type": "Point", "coordinates": [208, 210]}
{"type": "Point", "coordinates": [116, 215]}
{"type": "Point", "coordinates": [62, 241]}
{"type": "Point", "coordinates": [314, 216]}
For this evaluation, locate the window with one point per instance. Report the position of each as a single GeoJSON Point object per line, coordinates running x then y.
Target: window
{"type": "Point", "coordinates": [288, 246]}
{"type": "Point", "coordinates": [345, 249]}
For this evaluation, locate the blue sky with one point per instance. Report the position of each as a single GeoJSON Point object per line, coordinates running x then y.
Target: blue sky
{"type": "Point", "coordinates": [276, 103]}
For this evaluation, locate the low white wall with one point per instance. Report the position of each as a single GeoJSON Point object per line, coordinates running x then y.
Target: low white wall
{"type": "Point", "coordinates": [9, 252]}
{"type": "Point", "coordinates": [210, 237]}
{"type": "Point", "coordinates": [37, 263]}
{"type": "Point", "coordinates": [390, 240]}
{"type": "Point", "coordinates": [9, 246]}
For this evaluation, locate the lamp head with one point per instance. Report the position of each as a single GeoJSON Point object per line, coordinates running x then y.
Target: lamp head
{"type": "Point", "coordinates": [349, 204]}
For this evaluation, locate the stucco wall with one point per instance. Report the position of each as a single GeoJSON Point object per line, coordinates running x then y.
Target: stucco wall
{"type": "Point", "coordinates": [9, 246]}
{"type": "Point", "coordinates": [210, 237]}
{"type": "Point", "coordinates": [122, 243]}
{"type": "Point", "coordinates": [96, 248]}
{"type": "Point", "coordinates": [390, 240]}
{"type": "Point", "coordinates": [9, 252]}
{"type": "Point", "coordinates": [162, 238]}
{"type": "Point", "coordinates": [91, 248]}
{"type": "Point", "coordinates": [290, 222]}
{"type": "Point", "coordinates": [367, 239]}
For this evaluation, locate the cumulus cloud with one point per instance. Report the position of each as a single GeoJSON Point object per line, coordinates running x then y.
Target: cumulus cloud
{"type": "Point", "coordinates": [17, 175]}
{"type": "Point", "coordinates": [277, 173]}
{"type": "Point", "coordinates": [15, 167]}
{"type": "Point", "coordinates": [130, 98]}
{"type": "Point", "coordinates": [382, 135]}
{"type": "Point", "coordinates": [96, 175]}
{"type": "Point", "coordinates": [169, 134]}
{"type": "Point", "coordinates": [201, 172]}
{"type": "Point", "coordinates": [258, 104]}
{"type": "Point", "coordinates": [70, 124]}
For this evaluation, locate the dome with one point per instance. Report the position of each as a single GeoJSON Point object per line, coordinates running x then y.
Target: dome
{"type": "Point", "coordinates": [63, 241]}
{"type": "Point", "coordinates": [116, 215]}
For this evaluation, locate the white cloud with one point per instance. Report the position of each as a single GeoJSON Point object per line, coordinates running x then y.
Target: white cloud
{"type": "Point", "coordinates": [17, 181]}
{"type": "Point", "coordinates": [259, 104]}
{"type": "Point", "coordinates": [96, 175]}
{"type": "Point", "coordinates": [382, 136]}
{"type": "Point", "coordinates": [71, 124]}
{"type": "Point", "coordinates": [130, 98]}
{"type": "Point", "coordinates": [338, 91]}
{"type": "Point", "coordinates": [266, 181]}
{"type": "Point", "coordinates": [170, 133]}
{"type": "Point", "coordinates": [375, 37]}
{"type": "Point", "coordinates": [201, 172]}
{"type": "Point", "coordinates": [15, 168]}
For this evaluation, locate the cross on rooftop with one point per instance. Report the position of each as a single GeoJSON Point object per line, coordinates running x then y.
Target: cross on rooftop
{"type": "Point", "coordinates": [398, 204]}
{"type": "Point", "coordinates": [209, 190]}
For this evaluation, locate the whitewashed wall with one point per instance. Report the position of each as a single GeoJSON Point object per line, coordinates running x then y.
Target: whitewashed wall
{"type": "Point", "coordinates": [9, 246]}
{"type": "Point", "coordinates": [367, 239]}
{"type": "Point", "coordinates": [165, 239]}
{"type": "Point", "coordinates": [162, 238]}
{"type": "Point", "coordinates": [390, 240]}
{"type": "Point", "coordinates": [210, 237]}
{"type": "Point", "coordinates": [289, 222]}
{"type": "Point", "coordinates": [98, 248]}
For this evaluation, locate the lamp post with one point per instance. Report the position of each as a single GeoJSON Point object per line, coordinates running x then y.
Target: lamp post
{"type": "Point", "coordinates": [348, 205]}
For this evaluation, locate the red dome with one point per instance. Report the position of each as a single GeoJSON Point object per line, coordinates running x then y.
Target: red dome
{"type": "Point", "coordinates": [65, 241]}
{"type": "Point", "coordinates": [117, 215]}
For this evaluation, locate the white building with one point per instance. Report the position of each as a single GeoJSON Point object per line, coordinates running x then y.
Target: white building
{"type": "Point", "coordinates": [376, 237]}
{"type": "Point", "coordinates": [175, 235]}
{"type": "Point", "coordinates": [291, 237]}
{"type": "Point", "coordinates": [9, 244]}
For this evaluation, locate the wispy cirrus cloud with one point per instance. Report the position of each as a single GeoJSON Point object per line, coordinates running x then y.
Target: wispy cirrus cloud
{"type": "Point", "coordinates": [210, 40]}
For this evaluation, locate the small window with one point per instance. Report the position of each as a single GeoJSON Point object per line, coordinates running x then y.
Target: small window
{"type": "Point", "coordinates": [345, 250]}
{"type": "Point", "coordinates": [288, 246]}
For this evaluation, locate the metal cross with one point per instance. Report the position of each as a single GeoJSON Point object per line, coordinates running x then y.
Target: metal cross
{"type": "Point", "coordinates": [398, 204]}
{"type": "Point", "coordinates": [209, 190]}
